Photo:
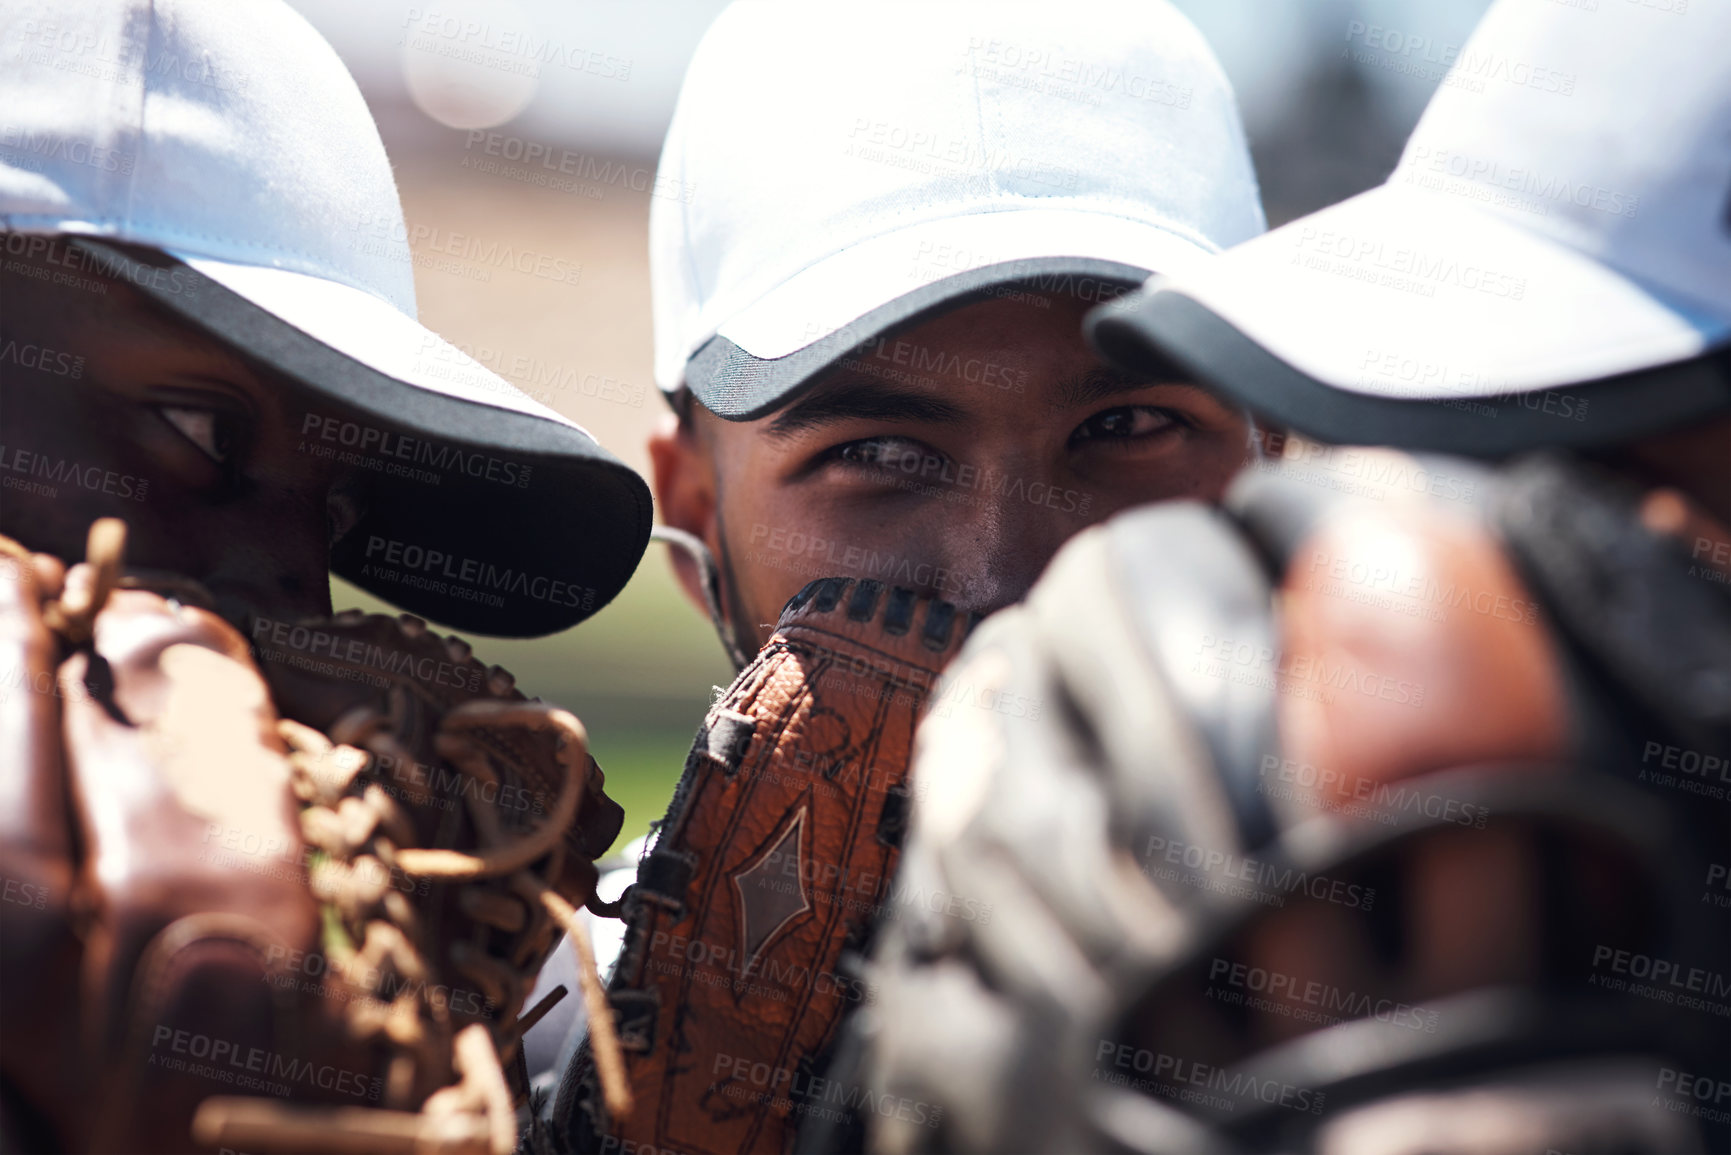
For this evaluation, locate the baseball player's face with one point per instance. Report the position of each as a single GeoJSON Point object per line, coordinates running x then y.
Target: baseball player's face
{"type": "Point", "coordinates": [115, 409]}
{"type": "Point", "coordinates": [954, 459]}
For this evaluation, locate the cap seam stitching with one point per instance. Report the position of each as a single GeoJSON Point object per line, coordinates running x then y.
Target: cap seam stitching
{"type": "Point", "coordinates": [143, 111]}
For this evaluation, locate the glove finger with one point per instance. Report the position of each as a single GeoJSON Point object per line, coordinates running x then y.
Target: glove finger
{"type": "Point", "coordinates": [38, 949]}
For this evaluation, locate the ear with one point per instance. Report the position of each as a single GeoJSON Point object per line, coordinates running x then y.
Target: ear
{"type": "Point", "coordinates": [685, 492]}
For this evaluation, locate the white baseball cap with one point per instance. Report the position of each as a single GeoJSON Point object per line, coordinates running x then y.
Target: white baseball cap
{"type": "Point", "coordinates": [226, 138]}
{"type": "Point", "coordinates": [835, 170]}
{"type": "Point", "coordinates": [1549, 264]}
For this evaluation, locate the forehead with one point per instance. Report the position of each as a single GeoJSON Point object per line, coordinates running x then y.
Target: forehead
{"type": "Point", "coordinates": [1034, 328]}
{"type": "Point", "coordinates": [1019, 355]}
{"type": "Point", "coordinates": [121, 333]}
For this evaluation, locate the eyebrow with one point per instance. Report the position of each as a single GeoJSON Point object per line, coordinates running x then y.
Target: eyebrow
{"type": "Point", "coordinates": [862, 400]}
{"type": "Point", "coordinates": [1099, 383]}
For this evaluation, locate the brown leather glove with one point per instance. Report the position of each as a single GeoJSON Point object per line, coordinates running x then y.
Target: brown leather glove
{"type": "Point", "coordinates": [312, 946]}
{"type": "Point", "coordinates": [774, 862]}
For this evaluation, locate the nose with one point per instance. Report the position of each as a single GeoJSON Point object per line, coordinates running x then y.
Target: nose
{"type": "Point", "coordinates": [998, 549]}
{"type": "Point", "coordinates": [285, 579]}
{"type": "Point", "coordinates": [243, 600]}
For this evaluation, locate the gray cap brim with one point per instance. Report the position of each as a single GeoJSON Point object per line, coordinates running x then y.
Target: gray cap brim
{"type": "Point", "coordinates": [738, 386]}
{"type": "Point", "coordinates": [1165, 329]}
{"type": "Point", "coordinates": [483, 518]}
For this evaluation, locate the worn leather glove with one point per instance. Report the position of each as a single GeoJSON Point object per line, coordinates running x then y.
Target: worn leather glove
{"type": "Point", "coordinates": [754, 906]}
{"type": "Point", "coordinates": [293, 904]}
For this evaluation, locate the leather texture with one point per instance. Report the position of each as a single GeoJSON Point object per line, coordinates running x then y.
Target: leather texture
{"type": "Point", "coordinates": [210, 907]}
{"type": "Point", "coordinates": [162, 748]}
{"type": "Point", "coordinates": [752, 908]}
{"type": "Point", "coordinates": [1461, 819]}
{"type": "Point", "coordinates": [38, 949]}
{"type": "Point", "coordinates": [323, 673]}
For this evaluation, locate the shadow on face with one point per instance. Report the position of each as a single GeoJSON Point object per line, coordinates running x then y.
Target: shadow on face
{"type": "Point", "coordinates": [113, 408]}
{"type": "Point", "coordinates": [954, 458]}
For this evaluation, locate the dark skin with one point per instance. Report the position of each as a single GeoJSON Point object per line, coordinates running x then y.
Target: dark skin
{"type": "Point", "coordinates": [724, 480]}
{"type": "Point", "coordinates": [956, 463]}
{"type": "Point", "coordinates": [1695, 461]}
{"type": "Point", "coordinates": [159, 407]}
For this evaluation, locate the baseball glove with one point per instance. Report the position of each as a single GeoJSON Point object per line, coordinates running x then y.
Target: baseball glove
{"type": "Point", "coordinates": [1344, 831]}
{"type": "Point", "coordinates": [296, 902]}
{"type": "Point", "coordinates": [756, 902]}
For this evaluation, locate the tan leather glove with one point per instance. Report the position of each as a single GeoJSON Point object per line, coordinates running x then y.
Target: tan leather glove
{"type": "Point", "coordinates": [251, 935]}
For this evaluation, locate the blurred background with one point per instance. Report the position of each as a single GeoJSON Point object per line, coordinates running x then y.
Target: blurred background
{"type": "Point", "coordinates": [1329, 90]}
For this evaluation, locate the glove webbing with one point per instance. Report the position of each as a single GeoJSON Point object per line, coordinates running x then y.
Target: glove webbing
{"type": "Point", "coordinates": [362, 837]}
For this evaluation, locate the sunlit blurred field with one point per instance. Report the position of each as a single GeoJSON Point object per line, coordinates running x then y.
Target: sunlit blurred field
{"type": "Point", "coordinates": [640, 672]}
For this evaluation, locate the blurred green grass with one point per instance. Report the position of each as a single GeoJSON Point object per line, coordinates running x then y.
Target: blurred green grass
{"type": "Point", "coordinates": [642, 768]}
{"type": "Point", "coordinates": [639, 674]}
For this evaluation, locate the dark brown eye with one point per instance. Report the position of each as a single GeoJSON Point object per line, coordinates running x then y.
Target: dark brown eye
{"type": "Point", "coordinates": [885, 452]}
{"type": "Point", "coordinates": [1124, 422]}
{"type": "Point", "coordinates": [212, 431]}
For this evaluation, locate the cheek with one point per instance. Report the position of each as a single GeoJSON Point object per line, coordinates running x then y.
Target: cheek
{"type": "Point", "coordinates": [772, 548]}
{"type": "Point", "coordinates": [1209, 468]}
{"type": "Point", "coordinates": [260, 557]}
{"type": "Point", "coordinates": [1200, 471]}
{"type": "Point", "coordinates": [63, 475]}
